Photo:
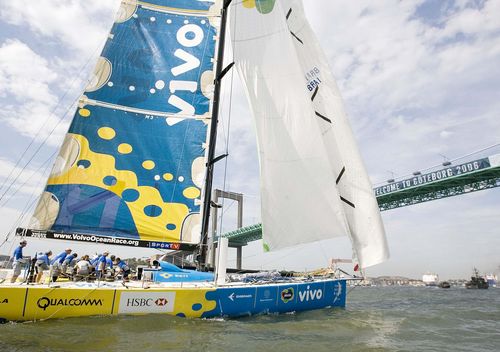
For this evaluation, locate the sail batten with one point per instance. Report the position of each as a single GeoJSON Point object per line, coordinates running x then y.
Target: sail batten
{"type": "Point", "coordinates": [133, 162]}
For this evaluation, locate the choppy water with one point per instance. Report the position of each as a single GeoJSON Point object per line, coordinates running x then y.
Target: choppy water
{"type": "Point", "coordinates": [376, 319]}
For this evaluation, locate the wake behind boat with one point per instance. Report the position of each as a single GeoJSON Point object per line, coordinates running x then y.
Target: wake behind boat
{"type": "Point", "coordinates": [136, 166]}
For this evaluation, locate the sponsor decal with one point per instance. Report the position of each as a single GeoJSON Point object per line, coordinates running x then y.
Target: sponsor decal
{"type": "Point", "coordinates": [310, 295]}
{"type": "Point", "coordinates": [146, 302]}
{"type": "Point", "coordinates": [45, 302]}
{"type": "Point", "coordinates": [99, 239]}
{"type": "Point", "coordinates": [313, 78]}
{"type": "Point", "coordinates": [5, 300]}
{"type": "Point", "coordinates": [232, 296]}
{"type": "Point", "coordinates": [337, 291]}
{"type": "Point", "coordinates": [267, 297]}
{"type": "Point", "coordinates": [166, 275]}
{"type": "Point", "coordinates": [287, 295]}
{"type": "Point", "coordinates": [161, 302]}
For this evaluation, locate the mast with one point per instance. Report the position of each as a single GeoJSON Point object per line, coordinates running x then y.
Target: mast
{"type": "Point", "coordinates": [211, 160]}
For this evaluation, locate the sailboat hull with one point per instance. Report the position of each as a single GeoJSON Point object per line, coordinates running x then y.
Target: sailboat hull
{"type": "Point", "coordinates": [32, 303]}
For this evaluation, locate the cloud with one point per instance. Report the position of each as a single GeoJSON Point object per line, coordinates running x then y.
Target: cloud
{"type": "Point", "coordinates": [24, 75]}
{"type": "Point", "coordinates": [74, 23]}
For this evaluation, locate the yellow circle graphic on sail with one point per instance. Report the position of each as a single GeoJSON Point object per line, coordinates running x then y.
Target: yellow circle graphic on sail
{"type": "Point", "coordinates": [168, 177]}
{"type": "Point", "coordinates": [124, 148]}
{"type": "Point", "coordinates": [191, 192]}
{"type": "Point", "coordinates": [249, 3]}
{"type": "Point", "coordinates": [148, 164]}
{"type": "Point", "coordinates": [84, 112]}
{"type": "Point", "coordinates": [106, 133]}
{"type": "Point", "coordinates": [263, 6]}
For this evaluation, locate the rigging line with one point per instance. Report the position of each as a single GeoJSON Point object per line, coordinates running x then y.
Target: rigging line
{"type": "Point", "coordinates": [44, 164]}
{"type": "Point", "coordinates": [29, 204]}
{"type": "Point", "coordinates": [19, 220]}
{"type": "Point", "coordinates": [226, 161]}
{"type": "Point", "coordinates": [32, 199]}
{"type": "Point", "coordinates": [49, 115]}
{"type": "Point", "coordinates": [39, 148]}
{"type": "Point", "coordinates": [284, 256]}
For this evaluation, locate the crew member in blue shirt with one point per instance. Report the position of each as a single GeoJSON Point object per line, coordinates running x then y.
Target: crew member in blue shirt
{"type": "Point", "coordinates": [67, 262]}
{"type": "Point", "coordinates": [101, 265]}
{"type": "Point", "coordinates": [42, 263]}
{"type": "Point", "coordinates": [94, 260]}
{"type": "Point", "coordinates": [57, 261]}
{"type": "Point", "coordinates": [124, 268]}
{"type": "Point", "coordinates": [109, 262]}
{"type": "Point", "coordinates": [18, 261]}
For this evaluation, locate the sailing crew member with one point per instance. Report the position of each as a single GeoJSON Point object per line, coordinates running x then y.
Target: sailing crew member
{"type": "Point", "coordinates": [100, 267]}
{"type": "Point", "coordinates": [68, 262]}
{"type": "Point", "coordinates": [56, 263]}
{"type": "Point", "coordinates": [42, 263]}
{"type": "Point", "coordinates": [59, 259]}
{"type": "Point", "coordinates": [17, 260]}
{"type": "Point", "coordinates": [83, 267]}
{"type": "Point", "coordinates": [124, 268]}
{"type": "Point", "coordinates": [109, 262]}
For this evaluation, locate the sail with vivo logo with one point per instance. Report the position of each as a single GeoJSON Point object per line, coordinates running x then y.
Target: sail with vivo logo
{"type": "Point", "coordinates": [133, 162]}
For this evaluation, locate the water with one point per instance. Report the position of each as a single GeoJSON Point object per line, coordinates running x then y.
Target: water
{"type": "Point", "coordinates": [376, 319]}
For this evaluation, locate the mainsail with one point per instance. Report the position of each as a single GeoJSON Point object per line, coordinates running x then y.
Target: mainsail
{"type": "Point", "coordinates": [313, 182]}
{"type": "Point", "coordinates": [133, 162]}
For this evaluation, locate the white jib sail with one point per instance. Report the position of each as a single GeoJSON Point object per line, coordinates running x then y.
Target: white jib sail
{"type": "Point", "coordinates": [359, 202]}
{"type": "Point", "coordinates": [300, 200]}
{"type": "Point", "coordinates": [306, 145]}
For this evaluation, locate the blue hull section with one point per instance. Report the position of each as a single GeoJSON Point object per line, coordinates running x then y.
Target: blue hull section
{"type": "Point", "coordinates": [276, 298]}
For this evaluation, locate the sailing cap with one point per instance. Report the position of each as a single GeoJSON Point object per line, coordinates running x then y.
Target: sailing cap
{"type": "Point", "coordinates": [68, 249]}
{"type": "Point", "coordinates": [23, 242]}
{"type": "Point", "coordinates": [105, 252]}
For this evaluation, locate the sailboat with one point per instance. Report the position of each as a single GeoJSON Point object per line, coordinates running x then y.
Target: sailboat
{"type": "Point", "coordinates": [136, 166]}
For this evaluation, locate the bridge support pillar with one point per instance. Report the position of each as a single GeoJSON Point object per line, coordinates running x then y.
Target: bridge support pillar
{"type": "Point", "coordinates": [212, 245]}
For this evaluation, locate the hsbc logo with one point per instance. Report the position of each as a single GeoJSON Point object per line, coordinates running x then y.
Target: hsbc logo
{"type": "Point", "coordinates": [161, 302]}
{"type": "Point", "coordinates": [146, 302]}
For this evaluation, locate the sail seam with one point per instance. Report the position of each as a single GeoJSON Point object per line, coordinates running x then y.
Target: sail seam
{"type": "Point", "coordinates": [173, 10]}
{"type": "Point", "coordinates": [143, 111]}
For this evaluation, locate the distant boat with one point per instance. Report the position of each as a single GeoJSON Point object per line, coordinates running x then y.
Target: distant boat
{"type": "Point", "coordinates": [492, 280]}
{"type": "Point", "coordinates": [476, 281]}
{"type": "Point", "coordinates": [430, 279]}
{"type": "Point", "coordinates": [444, 284]}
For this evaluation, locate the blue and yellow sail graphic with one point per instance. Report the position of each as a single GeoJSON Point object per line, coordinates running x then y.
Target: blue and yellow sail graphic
{"type": "Point", "coordinates": [133, 162]}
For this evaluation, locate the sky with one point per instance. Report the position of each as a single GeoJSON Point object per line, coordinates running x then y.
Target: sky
{"type": "Point", "coordinates": [420, 82]}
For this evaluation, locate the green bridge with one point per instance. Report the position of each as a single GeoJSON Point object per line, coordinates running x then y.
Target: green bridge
{"type": "Point", "coordinates": [453, 180]}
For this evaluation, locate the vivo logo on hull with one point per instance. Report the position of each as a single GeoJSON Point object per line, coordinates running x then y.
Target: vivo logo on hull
{"type": "Point", "coordinates": [310, 295]}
